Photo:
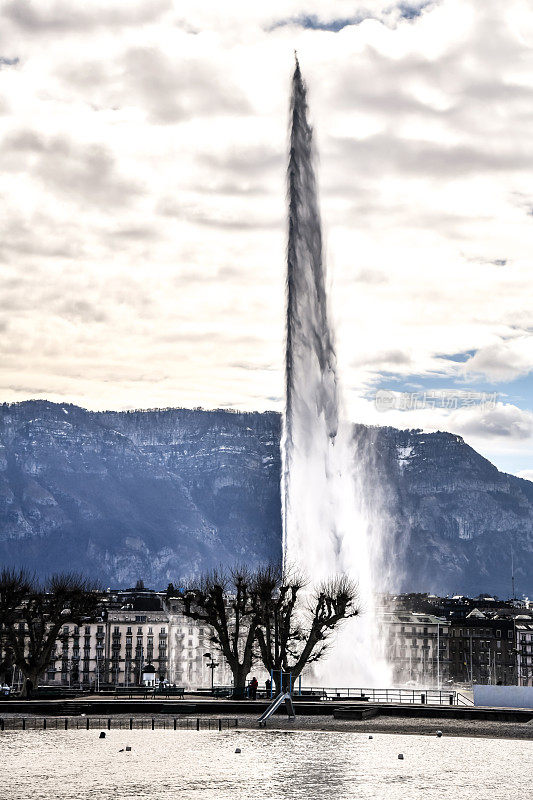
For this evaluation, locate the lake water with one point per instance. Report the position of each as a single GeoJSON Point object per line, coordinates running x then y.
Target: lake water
{"type": "Point", "coordinates": [187, 765]}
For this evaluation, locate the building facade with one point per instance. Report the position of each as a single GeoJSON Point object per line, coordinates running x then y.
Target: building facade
{"type": "Point", "coordinates": [417, 648]}
{"type": "Point", "coordinates": [482, 649]}
{"type": "Point", "coordinates": [136, 630]}
{"type": "Point", "coordinates": [524, 650]}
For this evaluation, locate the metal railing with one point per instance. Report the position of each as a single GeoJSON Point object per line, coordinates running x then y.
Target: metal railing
{"type": "Point", "coordinates": [372, 695]}
{"type": "Point", "coordinates": [311, 693]}
{"type": "Point", "coordinates": [115, 723]}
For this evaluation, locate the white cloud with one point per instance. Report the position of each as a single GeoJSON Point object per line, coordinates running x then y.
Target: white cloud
{"type": "Point", "coordinates": [526, 474]}
{"type": "Point", "coordinates": [502, 361]}
{"type": "Point", "coordinates": [57, 16]}
{"type": "Point", "coordinates": [143, 197]}
{"type": "Point", "coordinates": [504, 420]}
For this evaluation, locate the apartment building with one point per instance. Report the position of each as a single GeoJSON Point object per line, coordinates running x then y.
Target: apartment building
{"type": "Point", "coordinates": [482, 649]}
{"type": "Point", "coordinates": [136, 629]}
{"type": "Point", "coordinates": [524, 650]}
{"type": "Point", "coordinates": [417, 647]}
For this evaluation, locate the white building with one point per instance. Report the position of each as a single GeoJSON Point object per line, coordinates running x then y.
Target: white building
{"type": "Point", "coordinates": [417, 647]}
{"type": "Point", "coordinates": [524, 650]}
{"type": "Point", "coordinates": [128, 638]}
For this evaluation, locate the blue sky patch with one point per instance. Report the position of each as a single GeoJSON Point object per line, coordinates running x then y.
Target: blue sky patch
{"type": "Point", "coordinates": [313, 22]}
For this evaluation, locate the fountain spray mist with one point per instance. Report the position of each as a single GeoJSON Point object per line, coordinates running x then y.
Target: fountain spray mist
{"type": "Point", "coordinates": [325, 529]}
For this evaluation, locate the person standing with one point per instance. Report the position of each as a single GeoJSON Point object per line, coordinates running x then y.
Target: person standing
{"type": "Point", "coordinates": [254, 683]}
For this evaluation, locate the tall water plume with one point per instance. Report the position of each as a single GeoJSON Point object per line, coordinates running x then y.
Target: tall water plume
{"type": "Point", "coordinates": [325, 527]}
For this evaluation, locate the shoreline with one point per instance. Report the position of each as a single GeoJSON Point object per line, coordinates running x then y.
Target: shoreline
{"type": "Point", "coordinates": [404, 726]}
{"type": "Point", "coordinates": [399, 726]}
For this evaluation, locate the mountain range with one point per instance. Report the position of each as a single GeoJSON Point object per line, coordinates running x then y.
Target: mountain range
{"type": "Point", "coordinates": [164, 494]}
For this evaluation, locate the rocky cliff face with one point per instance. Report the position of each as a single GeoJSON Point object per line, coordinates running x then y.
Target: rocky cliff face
{"type": "Point", "coordinates": [165, 494]}
{"type": "Point", "coordinates": [453, 518]}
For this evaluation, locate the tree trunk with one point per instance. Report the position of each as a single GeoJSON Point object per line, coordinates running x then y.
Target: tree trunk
{"type": "Point", "coordinates": [34, 678]}
{"type": "Point", "coordinates": [239, 682]}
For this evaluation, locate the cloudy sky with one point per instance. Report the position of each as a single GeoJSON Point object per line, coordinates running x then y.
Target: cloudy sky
{"type": "Point", "coordinates": [142, 181]}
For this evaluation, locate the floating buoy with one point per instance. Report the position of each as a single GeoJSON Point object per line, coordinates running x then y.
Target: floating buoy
{"type": "Point", "coordinates": [439, 734]}
{"type": "Point", "coordinates": [128, 748]}
{"type": "Point", "coordinates": [102, 735]}
{"type": "Point", "coordinates": [237, 749]}
{"type": "Point", "coordinates": [400, 756]}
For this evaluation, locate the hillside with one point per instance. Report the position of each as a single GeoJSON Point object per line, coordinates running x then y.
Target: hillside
{"type": "Point", "coordinates": [167, 493]}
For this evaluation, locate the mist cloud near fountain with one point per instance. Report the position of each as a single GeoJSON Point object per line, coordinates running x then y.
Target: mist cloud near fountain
{"type": "Point", "coordinates": [326, 528]}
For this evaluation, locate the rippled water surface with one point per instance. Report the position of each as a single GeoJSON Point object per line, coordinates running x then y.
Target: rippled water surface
{"type": "Point", "coordinates": [56, 765]}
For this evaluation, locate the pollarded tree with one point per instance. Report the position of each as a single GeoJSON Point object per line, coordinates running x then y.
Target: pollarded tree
{"type": "Point", "coordinates": [295, 626]}
{"type": "Point", "coordinates": [227, 601]}
{"type": "Point", "coordinates": [41, 613]}
{"type": "Point", "coordinates": [15, 585]}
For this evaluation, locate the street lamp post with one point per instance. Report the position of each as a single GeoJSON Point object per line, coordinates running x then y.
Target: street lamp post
{"type": "Point", "coordinates": [438, 656]}
{"type": "Point", "coordinates": [212, 666]}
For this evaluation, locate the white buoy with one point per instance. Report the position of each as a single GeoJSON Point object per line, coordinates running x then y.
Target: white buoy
{"type": "Point", "coordinates": [400, 756]}
{"type": "Point", "coordinates": [237, 749]}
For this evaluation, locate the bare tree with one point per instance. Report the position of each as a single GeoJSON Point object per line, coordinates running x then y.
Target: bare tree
{"type": "Point", "coordinates": [32, 631]}
{"type": "Point", "coordinates": [14, 587]}
{"type": "Point", "coordinates": [295, 627]}
{"type": "Point", "coordinates": [269, 615]}
{"type": "Point", "coordinates": [227, 602]}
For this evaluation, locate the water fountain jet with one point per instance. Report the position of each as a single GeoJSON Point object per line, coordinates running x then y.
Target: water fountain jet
{"type": "Point", "coordinates": [324, 524]}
